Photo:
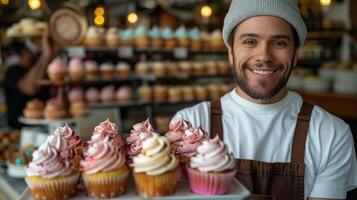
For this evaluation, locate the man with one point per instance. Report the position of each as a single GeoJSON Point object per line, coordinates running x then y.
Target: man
{"type": "Point", "coordinates": [284, 149]}
{"type": "Point", "coordinates": [20, 82]}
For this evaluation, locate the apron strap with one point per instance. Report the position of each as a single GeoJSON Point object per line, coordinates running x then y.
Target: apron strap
{"type": "Point", "coordinates": [216, 119]}
{"type": "Point", "coordinates": [300, 135]}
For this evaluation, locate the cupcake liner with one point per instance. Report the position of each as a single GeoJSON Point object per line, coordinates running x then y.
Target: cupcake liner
{"type": "Point", "coordinates": [107, 184]}
{"type": "Point", "coordinates": [55, 188]}
{"type": "Point", "coordinates": [213, 183]}
{"type": "Point", "coordinates": [160, 185]}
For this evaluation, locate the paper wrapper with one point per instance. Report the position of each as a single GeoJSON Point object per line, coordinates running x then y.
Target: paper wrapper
{"type": "Point", "coordinates": [160, 185]}
{"type": "Point", "coordinates": [107, 184]}
{"type": "Point", "coordinates": [54, 188]}
{"type": "Point", "coordinates": [210, 183]}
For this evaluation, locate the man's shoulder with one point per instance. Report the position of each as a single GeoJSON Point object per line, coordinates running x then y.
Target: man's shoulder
{"type": "Point", "coordinates": [322, 117]}
{"type": "Point", "coordinates": [198, 109]}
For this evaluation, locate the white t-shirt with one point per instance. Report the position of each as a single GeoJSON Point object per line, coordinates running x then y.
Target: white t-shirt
{"type": "Point", "coordinates": [265, 133]}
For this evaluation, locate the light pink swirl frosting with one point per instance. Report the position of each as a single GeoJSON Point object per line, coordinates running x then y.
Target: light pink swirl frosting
{"type": "Point", "coordinates": [102, 157]}
{"type": "Point", "coordinates": [106, 131]}
{"type": "Point", "coordinates": [212, 156]}
{"type": "Point", "coordinates": [73, 140]}
{"type": "Point", "coordinates": [140, 132]}
{"type": "Point", "coordinates": [184, 138]}
{"type": "Point", "coordinates": [48, 163]}
{"type": "Point", "coordinates": [59, 142]}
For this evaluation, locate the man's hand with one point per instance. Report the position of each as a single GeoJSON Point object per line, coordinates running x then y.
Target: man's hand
{"type": "Point", "coordinates": [49, 47]}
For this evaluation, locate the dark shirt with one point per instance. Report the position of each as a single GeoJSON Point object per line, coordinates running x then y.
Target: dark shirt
{"type": "Point", "coordinates": [15, 99]}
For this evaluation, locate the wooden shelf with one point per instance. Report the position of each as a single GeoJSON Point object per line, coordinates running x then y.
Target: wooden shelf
{"type": "Point", "coordinates": [341, 105]}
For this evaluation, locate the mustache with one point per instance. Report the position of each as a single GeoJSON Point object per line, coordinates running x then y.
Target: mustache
{"type": "Point", "coordinates": [263, 64]}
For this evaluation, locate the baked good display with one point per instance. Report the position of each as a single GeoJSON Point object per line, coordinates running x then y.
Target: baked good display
{"type": "Point", "coordinates": [224, 67]}
{"type": "Point", "coordinates": [122, 70]}
{"type": "Point", "coordinates": [126, 37]}
{"type": "Point", "coordinates": [156, 170]}
{"type": "Point", "coordinates": [174, 94]}
{"type": "Point", "coordinates": [92, 95]}
{"type": "Point", "coordinates": [172, 68]}
{"type": "Point", "coordinates": [212, 170]}
{"type": "Point", "coordinates": [94, 37]}
{"type": "Point", "coordinates": [195, 39]}
{"type": "Point", "coordinates": [34, 109]}
{"type": "Point", "coordinates": [198, 68]}
{"type": "Point", "coordinates": [124, 94]}
{"type": "Point", "coordinates": [57, 71]}
{"type": "Point", "coordinates": [142, 68]}
{"type": "Point", "coordinates": [140, 132]}
{"type": "Point", "coordinates": [104, 169]}
{"type": "Point", "coordinates": [54, 109]}
{"type": "Point", "coordinates": [141, 38]}
{"type": "Point", "coordinates": [78, 108]}
{"type": "Point", "coordinates": [214, 91]}
{"type": "Point", "coordinates": [155, 36]}
{"type": "Point", "coordinates": [26, 27]}
{"type": "Point", "coordinates": [159, 93]}
{"type": "Point", "coordinates": [181, 36]}
{"type": "Point", "coordinates": [185, 67]}
{"type": "Point", "coordinates": [211, 67]}
{"type": "Point", "coordinates": [107, 94]}
{"type": "Point", "coordinates": [145, 93]}
{"type": "Point", "coordinates": [112, 38]}
{"type": "Point", "coordinates": [75, 94]}
{"type": "Point", "coordinates": [201, 92]}
{"type": "Point", "coordinates": [50, 174]}
{"type": "Point", "coordinates": [106, 70]}
{"type": "Point", "coordinates": [188, 93]}
{"type": "Point", "coordinates": [158, 68]}
{"type": "Point", "coordinates": [216, 39]}
{"type": "Point", "coordinates": [76, 70]}
{"type": "Point", "coordinates": [169, 38]}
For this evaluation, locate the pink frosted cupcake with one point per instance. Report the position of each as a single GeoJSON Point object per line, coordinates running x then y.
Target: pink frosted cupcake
{"type": "Point", "coordinates": [57, 71]}
{"type": "Point", "coordinates": [212, 170]}
{"type": "Point", "coordinates": [140, 132]}
{"type": "Point", "coordinates": [104, 168]}
{"type": "Point", "coordinates": [124, 94]}
{"type": "Point", "coordinates": [107, 94]}
{"type": "Point", "coordinates": [76, 94]}
{"type": "Point", "coordinates": [76, 70]}
{"type": "Point", "coordinates": [50, 175]}
{"type": "Point", "coordinates": [91, 69]}
{"type": "Point", "coordinates": [92, 95]}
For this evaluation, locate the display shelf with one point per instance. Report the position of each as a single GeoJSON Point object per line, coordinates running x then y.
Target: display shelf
{"type": "Point", "coordinates": [137, 104]}
{"type": "Point", "coordinates": [342, 105]}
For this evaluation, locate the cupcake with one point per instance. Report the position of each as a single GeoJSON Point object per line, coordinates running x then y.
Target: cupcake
{"type": "Point", "coordinates": [122, 70]}
{"type": "Point", "coordinates": [142, 68]}
{"type": "Point", "coordinates": [145, 93]}
{"type": "Point", "coordinates": [212, 170]}
{"type": "Point", "coordinates": [75, 94]}
{"type": "Point", "coordinates": [188, 93]}
{"type": "Point", "coordinates": [169, 38]}
{"type": "Point", "coordinates": [206, 40]}
{"type": "Point", "coordinates": [106, 70]}
{"type": "Point", "coordinates": [124, 94]}
{"type": "Point", "coordinates": [158, 68]}
{"type": "Point", "coordinates": [160, 93]}
{"type": "Point", "coordinates": [34, 109]}
{"type": "Point", "coordinates": [156, 171]}
{"type": "Point", "coordinates": [198, 68]}
{"type": "Point", "coordinates": [104, 168]}
{"type": "Point", "coordinates": [201, 93]}
{"type": "Point", "coordinates": [184, 140]}
{"type": "Point", "coordinates": [172, 68]}
{"type": "Point", "coordinates": [214, 91]}
{"type": "Point", "coordinates": [139, 133]}
{"type": "Point", "coordinates": [76, 70]}
{"type": "Point", "coordinates": [92, 95]}
{"type": "Point", "coordinates": [174, 94]}
{"type": "Point", "coordinates": [211, 67]}
{"type": "Point", "coordinates": [57, 71]}
{"type": "Point", "coordinates": [111, 37]}
{"type": "Point", "coordinates": [107, 94]}
{"type": "Point", "coordinates": [126, 37]}
{"type": "Point", "coordinates": [78, 108]}
{"type": "Point", "coordinates": [185, 67]}
{"type": "Point", "coordinates": [50, 175]}
{"type": "Point", "coordinates": [195, 39]}
{"type": "Point", "coordinates": [141, 37]}
{"type": "Point", "coordinates": [54, 109]}
{"type": "Point", "coordinates": [181, 36]}
{"type": "Point", "coordinates": [155, 35]}
{"type": "Point", "coordinates": [217, 43]}
{"type": "Point", "coordinates": [91, 69]}
{"type": "Point", "coordinates": [94, 38]}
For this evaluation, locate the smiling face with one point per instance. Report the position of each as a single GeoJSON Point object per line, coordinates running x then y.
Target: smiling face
{"type": "Point", "coordinates": [262, 55]}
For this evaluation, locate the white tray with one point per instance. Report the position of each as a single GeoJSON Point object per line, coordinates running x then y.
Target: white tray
{"type": "Point", "coordinates": [238, 191]}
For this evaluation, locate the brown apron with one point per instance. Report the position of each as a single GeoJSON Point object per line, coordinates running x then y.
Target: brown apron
{"type": "Point", "coordinates": [278, 181]}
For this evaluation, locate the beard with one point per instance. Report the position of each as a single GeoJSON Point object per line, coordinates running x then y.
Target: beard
{"type": "Point", "coordinates": [242, 81]}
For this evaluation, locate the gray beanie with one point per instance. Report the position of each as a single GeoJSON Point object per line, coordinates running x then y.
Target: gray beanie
{"type": "Point", "coordinates": [241, 10]}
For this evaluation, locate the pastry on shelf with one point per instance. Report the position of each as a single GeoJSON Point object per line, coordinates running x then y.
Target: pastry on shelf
{"type": "Point", "coordinates": [181, 36]}
{"type": "Point", "coordinates": [159, 93]}
{"type": "Point", "coordinates": [34, 109]}
{"type": "Point", "coordinates": [124, 94]}
{"type": "Point", "coordinates": [107, 94]}
{"type": "Point", "coordinates": [106, 70]}
{"type": "Point", "coordinates": [188, 93]}
{"type": "Point", "coordinates": [172, 67]}
{"type": "Point", "coordinates": [92, 95]}
{"type": "Point", "coordinates": [141, 38]}
{"type": "Point", "coordinates": [158, 68]}
{"type": "Point", "coordinates": [126, 37]}
{"type": "Point", "coordinates": [195, 39]}
{"type": "Point", "coordinates": [57, 71]}
{"type": "Point", "coordinates": [217, 43]}
{"type": "Point", "coordinates": [211, 67]}
{"type": "Point", "coordinates": [94, 37]}
{"type": "Point", "coordinates": [91, 69]}
{"type": "Point", "coordinates": [201, 92]}
{"type": "Point", "coordinates": [144, 93]}
{"type": "Point", "coordinates": [78, 109]}
{"type": "Point", "coordinates": [112, 37]}
{"type": "Point", "coordinates": [75, 94]}
{"type": "Point", "coordinates": [174, 94]}
{"type": "Point", "coordinates": [76, 70]}
{"type": "Point", "coordinates": [224, 68]}
{"type": "Point", "coordinates": [198, 68]}
{"type": "Point", "coordinates": [155, 35]}
{"type": "Point", "coordinates": [55, 109]}
{"type": "Point", "coordinates": [214, 91]}
{"type": "Point", "coordinates": [122, 70]}
{"type": "Point", "coordinates": [142, 68]}
{"type": "Point", "coordinates": [185, 67]}
{"type": "Point", "coordinates": [169, 38]}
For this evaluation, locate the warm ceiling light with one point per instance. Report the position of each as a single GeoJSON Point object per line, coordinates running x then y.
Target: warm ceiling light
{"type": "Point", "coordinates": [99, 11]}
{"type": "Point", "coordinates": [5, 2]}
{"type": "Point", "coordinates": [325, 2]}
{"type": "Point", "coordinates": [206, 11]}
{"type": "Point", "coordinates": [34, 4]}
{"type": "Point", "coordinates": [99, 20]}
{"type": "Point", "coordinates": [132, 17]}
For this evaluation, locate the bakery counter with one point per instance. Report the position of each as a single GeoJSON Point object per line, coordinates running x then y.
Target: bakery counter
{"type": "Point", "coordinates": [341, 105]}
{"type": "Point", "coordinates": [11, 188]}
